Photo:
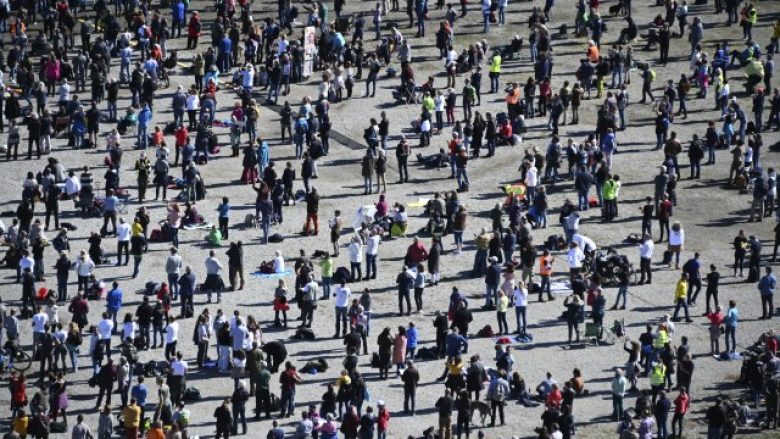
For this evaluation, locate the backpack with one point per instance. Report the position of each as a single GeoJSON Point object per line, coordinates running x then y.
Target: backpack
{"type": "Point", "coordinates": [652, 75]}
{"type": "Point", "coordinates": [299, 129]}
{"type": "Point", "coordinates": [497, 392]}
{"type": "Point", "coordinates": [191, 394]}
{"type": "Point", "coordinates": [342, 274]}
{"type": "Point", "coordinates": [486, 331]}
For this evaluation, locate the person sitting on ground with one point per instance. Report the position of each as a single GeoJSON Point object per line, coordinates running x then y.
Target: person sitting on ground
{"type": "Point", "coordinates": [214, 237]}
{"type": "Point", "coordinates": [578, 383]}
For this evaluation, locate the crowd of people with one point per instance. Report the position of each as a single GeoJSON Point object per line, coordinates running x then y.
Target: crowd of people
{"type": "Point", "coordinates": [252, 59]}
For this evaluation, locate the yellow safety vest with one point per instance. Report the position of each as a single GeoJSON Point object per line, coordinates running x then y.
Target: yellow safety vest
{"type": "Point", "coordinates": [657, 375]}
{"type": "Point", "coordinates": [661, 340]}
{"type": "Point", "coordinates": [495, 64]}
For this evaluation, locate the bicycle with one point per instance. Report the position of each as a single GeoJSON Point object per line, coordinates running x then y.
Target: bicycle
{"type": "Point", "coordinates": [14, 359]}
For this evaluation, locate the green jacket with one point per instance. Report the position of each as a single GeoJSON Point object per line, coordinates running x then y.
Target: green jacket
{"type": "Point", "coordinates": [264, 379]}
{"type": "Point", "coordinates": [326, 265]}
{"type": "Point", "coordinates": [254, 362]}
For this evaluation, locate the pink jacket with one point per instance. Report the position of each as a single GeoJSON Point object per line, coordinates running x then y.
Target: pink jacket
{"type": "Point", "coordinates": [52, 69]}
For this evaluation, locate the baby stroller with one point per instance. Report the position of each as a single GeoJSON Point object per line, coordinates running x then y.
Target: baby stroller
{"type": "Point", "coordinates": [408, 94]}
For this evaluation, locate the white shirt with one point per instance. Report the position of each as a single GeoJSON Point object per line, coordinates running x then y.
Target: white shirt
{"type": "Point", "coordinates": [355, 252]}
{"type": "Point", "coordinates": [84, 268]}
{"type": "Point", "coordinates": [520, 296]}
{"type": "Point", "coordinates": [575, 257]}
{"type": "Point", "coordinates": [26, 262]}
{"type": "Point", "coordinates": [128, 330]}
{"type": "Point", "coordinates": [39, 322]}
{"type": "Point", "coordinates": [342, 297]}
{"type": "Point", "coordinates": [171, 332]}
{"type": "Point", "coordinates": [531, 177]}
{"type": "Point", "coordinates": [677, 238]}
{"type": "Point", "coordinates": [438, 103]}
{"type": "Point", "coordinates": [104, 328]}
{"type": "Point", "coordinates": [72, 185]}
{"type": "Point", "coordinates": [372, 244]}
{"type": "Point", "coordinates": [279, 264]}
{"type": "Point", "coordinates": [646, 249]}
{"type": "Point", "coordinates": [193, 102]}
{"type": "Point", "coordinates": [584, 242]}
{"type": "Point", "coordinates": [123, 232]}
{"type": "Point", "coordinates": [179, 368]}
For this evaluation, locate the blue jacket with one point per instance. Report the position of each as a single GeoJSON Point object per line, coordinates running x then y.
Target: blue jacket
{"type": "Point", "coordinates": [226, 45]}
{"type": "Point", "coordinates": [493, 275]}
{"type": "Point", "coordinates": [144, 117]}
{"type": "Point", "coordinates": [411, 338]}
{"type": "Point", "coordinates": [453, 343]}
{"type": "Point", "coordinates": [265, 155]}
{"type": "Point", "coordinates": [114, 299]}
{"type": "Point", "coordinates": [178, 11]}
{"type": "Point", "coordinates": [767, 285]}
{"type": "Point", "coordinates": [187, 284]}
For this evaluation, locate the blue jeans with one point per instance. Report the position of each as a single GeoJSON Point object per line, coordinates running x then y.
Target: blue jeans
{"type": "Point", "coordinates": [491, 293]}
{"type": "Point", "coordinates": [458, 236]}
{"type": "Point", "coordinates": [731, 331]}
{"type": "Point", "coordinates": [341, 320]}
{"type": "Point", "coordinates": [370, 265]}
{"type": "Point", "coordinates": [500, 15]}
{"type": "Point", "coordinates": [287, 404]}
{"type": "Point", "coordinates": [622, 292]}
{"type": "Point", "coordinates": [74, 359]}
{"type": "Point", "coordinates": [173, 284]}
{"type": "Point", "coordinates": [141, 137]}
{"type": "Point", "coordinates": [326, 288]}
{"type": "Point", "coordinates": [582, 200]}
{"type": "Point", "coordinates": [174, 236]}
{"type": "Point", "coordinates": [520, 314]}
{"type": "Point", "coordinates": [486, 20]}
{"type": "Point", "coordinates": [463, 178]}
{"type": "Point", "coordinates": [662, 430]}
{"type": "Point", "coordinates": [681, 303]}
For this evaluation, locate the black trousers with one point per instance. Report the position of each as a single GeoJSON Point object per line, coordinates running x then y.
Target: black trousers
{"type": "Point", "coordinates": [122, 245]}
{"type": "Point", "coordinates": [223, 226]}
{"type": "Point", "coordinates": [493, 406]}
{"type": "Point", "coordinates": [767, 302]}
{"type": "Point", "coordinates": [645, 270]}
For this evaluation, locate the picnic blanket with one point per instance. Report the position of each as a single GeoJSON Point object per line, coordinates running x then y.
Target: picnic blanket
{"type": "Point", "coordinates": [560, 287]}
{"type": "Point", "coordinates": [512, 339]}
{"type": "Point", "coordinates": [281, 275]}
{"type": "Point", "coordinates": [421, 202]}
{"type": "Point", "coordinates": [204, 225]}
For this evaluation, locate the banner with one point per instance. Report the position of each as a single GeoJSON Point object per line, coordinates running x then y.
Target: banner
{"type": "Point", "coordinates": [309, 49]}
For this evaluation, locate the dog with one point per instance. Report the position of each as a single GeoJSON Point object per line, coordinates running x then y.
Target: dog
{"type": "Point", "coordinates": [251, 221]}
{"type": "Point", "coordinates": [482, 407]}
{"type": "Point", "coordinates": [619, 8]}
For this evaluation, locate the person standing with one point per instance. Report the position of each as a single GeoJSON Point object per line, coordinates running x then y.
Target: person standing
{"type": "Point", "coordinates": [618, 393]}
{"type": "Point", "coordinates": [767, 286]}
{"type": "Point", "coordinates": [661, 412]}
{"type": "Point", "coordinates": [410, 378]}
{"type": "Point", "coordinates": [730, 322]}
{"type": "Point", "coordinates": [224, 217]}
{"type": "Point", "coordinates": [681, 405]}
{"type": "Point", "coordinates": [444, 406]}
{"type": "Point", "coordinates": [498, 391]}
{"type": "Point", "coordinates": [289, 379]}
{"type": "Point", "coordinates": [342, 295]}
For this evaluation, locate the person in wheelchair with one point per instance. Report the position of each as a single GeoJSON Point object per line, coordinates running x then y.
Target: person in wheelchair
{"type": "Point", "coordinates": [11, 347]}
{"type": "Point", "coordinates": [128, 120]}
{"type": "Point", "coordinates": [172, 60]}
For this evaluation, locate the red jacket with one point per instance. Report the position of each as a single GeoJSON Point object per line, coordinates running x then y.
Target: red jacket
{"type": "Point", "coordinates": [417, 253]}
{"type": "Point", "coordinates": [383, 419]}
{"type": "Point", "coordinates": [682, 403]}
